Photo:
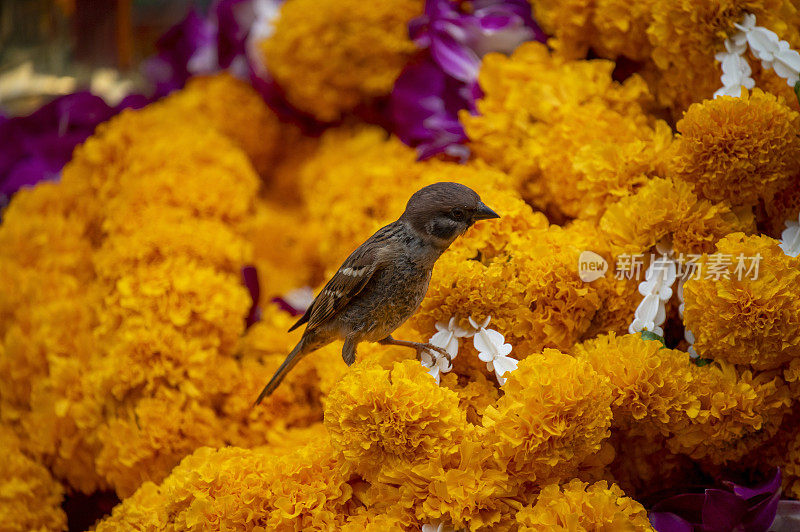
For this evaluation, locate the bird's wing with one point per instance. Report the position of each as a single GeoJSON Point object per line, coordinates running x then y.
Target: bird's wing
{"type": "Point", "coordinates": [352, 276]}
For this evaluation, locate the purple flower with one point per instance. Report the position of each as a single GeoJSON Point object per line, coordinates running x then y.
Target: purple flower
{"type": "Point", "coordinates": [188, 48]}
{"type": "Point", "coordinates": [250, 281]}
{"type": "Point", "coordinates": [424, 106]}
{"type": "Point", "coordinates": [457, 39]}
{"type": "Point", "coordinates": [428, 94]}
{"type": "Point", "coordinates": [34, 148]}
{"type": "Point", "coordinates": [732, 507]}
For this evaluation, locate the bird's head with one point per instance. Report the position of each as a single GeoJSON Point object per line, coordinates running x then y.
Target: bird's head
{"type": "Point", "coordinates": [441, 212]}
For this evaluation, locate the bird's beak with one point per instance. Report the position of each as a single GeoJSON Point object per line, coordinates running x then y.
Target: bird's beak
{"type": "Point", "coordinates": [484, 213]}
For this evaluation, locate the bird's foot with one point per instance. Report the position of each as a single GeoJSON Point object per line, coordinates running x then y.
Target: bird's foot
{"type": "Point", "coordinates": [418, 346]}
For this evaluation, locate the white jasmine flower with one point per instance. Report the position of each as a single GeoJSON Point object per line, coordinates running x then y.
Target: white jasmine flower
{"type": "Point", "coordinates": [478, 326]}
{"type": "Point", "coordinates": [493, 350]}
{"type": "Point", "coordinates": [790, 239]}
{"type": "Point", "coordinates": [787, 63]}
{"type": "Point", "coordinates": [437, 527]}
{"type": "Point", "coordinates": [436, 363]}
{"type": "Point", "coordinates": [657, 290]}
{"type": "Point", "coordinates": [447, 336]}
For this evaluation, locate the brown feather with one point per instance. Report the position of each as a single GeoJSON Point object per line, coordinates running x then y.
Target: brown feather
{"type": "Point", "coordinates": [352, 276]}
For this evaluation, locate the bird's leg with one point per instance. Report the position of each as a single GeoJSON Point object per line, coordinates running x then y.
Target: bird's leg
{"type": "Point", "coordinates": [420, 347]}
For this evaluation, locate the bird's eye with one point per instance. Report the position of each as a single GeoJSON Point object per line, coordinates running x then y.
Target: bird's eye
{"type": "Point", "coordinates": [458, 215]}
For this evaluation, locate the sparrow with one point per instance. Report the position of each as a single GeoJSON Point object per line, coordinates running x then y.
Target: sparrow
{"type": "Point", "coordinates": [383, 282]}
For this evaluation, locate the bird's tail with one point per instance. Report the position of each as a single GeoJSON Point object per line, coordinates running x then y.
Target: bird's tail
{"type": "Point", "coordinates": [290, 362]}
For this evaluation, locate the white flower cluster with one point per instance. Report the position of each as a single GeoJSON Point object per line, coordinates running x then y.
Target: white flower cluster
{"type": "Point", "coordinates": [490, 344]}
{"type": "Point", "coordinates": [687, 334]}
{"type": "Point", "coordinates": [790, 238]}
{"type": "Point", "coordinates": [766, 47]}
{"type": "Point", "coordinates": [657, 290]}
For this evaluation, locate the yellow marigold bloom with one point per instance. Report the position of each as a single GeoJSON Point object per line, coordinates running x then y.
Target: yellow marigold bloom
{"type": "Point", "coordinates": [738, 412]}
{"type": "Point", "coordinates": [668, 210]}
{"type": "Point", "coordinates": [379, 418]}
{"type": "Point", "coordinates": [649, 381]}
{"type": "Point", "coordinates": [555, 413]}
{"type": "Point", "coordinates": [241, 489]}
{"type": "Point", "coordinates": [152, 438]}
{"type": "Point", "coordinates": [573, 139]}
{"type": "Point", "coordinates": [738, 149]}
{"type": "Point", "coordinates": [609, 27]}
{"type": "Point", "coordinates": [475, 395]}
{"type": "Point", "coordinates": [685, 35]}
{"type": "Point", "coordinates": [160, 156]}
{"type": "Point", "coordinates": [531, 288]}
{"type": "Point", "coordinates": [784, 205]}
{"type": "Point", "coordinates": [30, 499]}
{"type": "Point", "coordinates": [580, 506]}
{"type": "Point", "coordinates": [237, 111]}
{"type": "Point", "coordinates": [285, 252]}
{"type": "Point", "coordinates": [466, 489]}
{"type": "Point", "coordinates": [754, 320]}
{"type": "Point", "coordinates": [356, 53]}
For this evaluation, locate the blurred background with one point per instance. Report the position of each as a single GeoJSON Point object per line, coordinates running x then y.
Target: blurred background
{"type": "Point", "coordinates": [53, 47]}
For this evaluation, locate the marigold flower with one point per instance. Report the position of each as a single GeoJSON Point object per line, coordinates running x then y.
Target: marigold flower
{"type": "Point", "coordinates": [609, 27]}
{"type": "Point", "coordinates": [668, 210]}
{"type": "Point", "coordinates": [738, 149]}
{"type": "Point", "coordinates": [379, 418]}
{"type": "Point", "coordinates": [243, 489]}
{"type": "Point", "coordinates": [573, 139]}
{"type": "Point", "coordinates": [466, 489]}
{"type": "Point", "coordinates": [555, 413]}
{"type": "Point", "coordinates": [237, 111]}
{"type": "Point", "coordinates": [30, 499]}
{"type": "Point", "coordinates": [751, 317]}
{"type": "Point", "coordinates": [580, 506]}
{"type": "Point", "coordinates": [356, 55]}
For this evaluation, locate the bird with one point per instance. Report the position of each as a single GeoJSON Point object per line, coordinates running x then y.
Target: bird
{"type": "Point", "coordinates": [383, 282]}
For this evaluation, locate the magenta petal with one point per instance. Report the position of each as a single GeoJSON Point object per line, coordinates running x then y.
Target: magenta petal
{"type": "Point", "coordinates": [250, 280]}
{"type": "Point", "coordinates": [669, 522]}
{"type": "Point", "coordinates": [771, 486]}
{"type": "Point", "coordinates": [722, 511]}
{"type": "Point", "coordinates": [455, 58]}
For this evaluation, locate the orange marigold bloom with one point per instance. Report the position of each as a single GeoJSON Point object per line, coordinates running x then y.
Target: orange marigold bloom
{"type": "Point", "coordinates": [738, 149]}
{"type": "Point", "coordinates": [30, 499]}
{"type": "Point", "coordinates": [379, 418]}
{"type": "Point", "coordinates": [356, 54]}
{"type": "Point", "coordinates": [573, 139]}
{"type": "Point", "coordinates": [237, 111]}
{"type": "Point", "coordinates": [746, 317]}
{"type": "Point", "coordinates": [467, 489]}
{"type": "Point", "coordinates": [685, 35]}
{"type": "Point", "coordinates": [580, 506]}
{"type": "Point", "coordinates": [555, 413]}
{"type": "Point", "coordinates": [668, 210]}
{"type": "Point", "coordinates": [241, 489]}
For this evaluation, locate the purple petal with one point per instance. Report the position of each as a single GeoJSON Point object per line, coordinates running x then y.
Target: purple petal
{"type": "Point", "coordinates": [771, 486]}
{"type": "Point", "coordinates": [722, 511]}
{"type": "Point", "coordinates": [250, 280]}
{"type": "Point", "coordinates": [424, 107]}
{"type": "Point", "coordinates": [187, 48]}
{"type": "Point", "coordinates": [687, 505]}
{"type": "Point", "coordinates": [761, 516]}
{"type": "Point", "coordinates": [455, 58]}
{"type": "Point", "coordinates": [34, 148]}
{"type": "Point", "coordinates": [669, 522]}
{"type": "Point", "coordinates": [234, 19]}
{"type": "Point", "coordinates": [286, 307]}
